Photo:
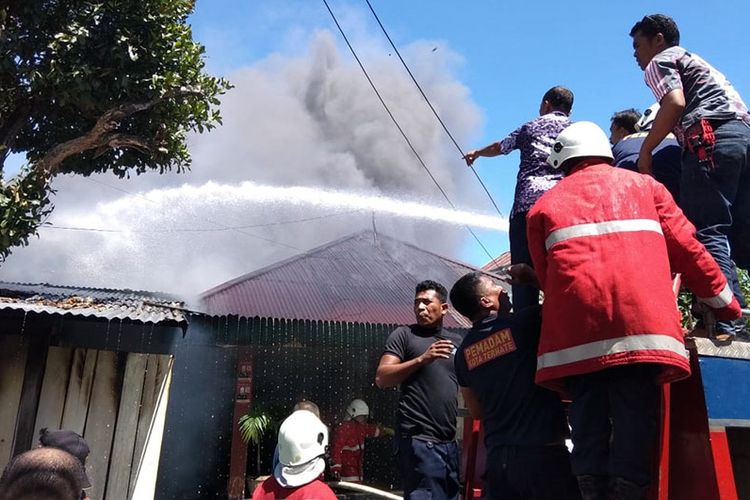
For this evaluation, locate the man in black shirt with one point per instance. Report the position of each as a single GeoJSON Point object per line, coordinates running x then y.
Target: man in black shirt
{"type": "Point", "coordinates": [524, 424]}
{"type": "Point", "coordinates": [419, 358]}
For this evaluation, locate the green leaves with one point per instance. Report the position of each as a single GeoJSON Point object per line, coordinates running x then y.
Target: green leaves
{"type": "Point", "coordinates": [24, 204]}
{"type": "Point", "coordinates": [64, 64]}
{"type": "Point", "coordinates": [253, 427]}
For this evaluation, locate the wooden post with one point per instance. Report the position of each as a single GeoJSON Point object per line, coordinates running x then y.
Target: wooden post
{"type": "Point", "coordinates": [242, 401]}
{"type": "Point", "coordinates": [33, 377]}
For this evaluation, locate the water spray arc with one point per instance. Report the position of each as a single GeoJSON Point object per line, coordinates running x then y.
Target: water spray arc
{"type": "Point", "coordinates": [223, 195]}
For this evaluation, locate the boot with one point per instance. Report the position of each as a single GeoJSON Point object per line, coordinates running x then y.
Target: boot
{"type": "Point", "coordinates": [628, 490]}
{"type": "Point", "coordinates": [593, 487]}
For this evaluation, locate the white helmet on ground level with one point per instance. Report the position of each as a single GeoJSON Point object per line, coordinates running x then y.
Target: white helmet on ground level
{"type": "Point", "coordinates": [303, 440]}
{"type": "Point", "coordinates": [356, 408]}
{"type": "Point", "coordinates": [579, 140]}
{"type": "Point", "coordinates": [647, 118]}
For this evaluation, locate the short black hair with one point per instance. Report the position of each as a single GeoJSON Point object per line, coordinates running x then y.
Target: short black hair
{"type": "Point", "coordinates": [652, 25]}
{"type": "Point", "coordinates": [48, 473]}
{"type": "Point", "coordinates": [425, 285]}
{"type": "Point", "coordinates": [465, 294]}
{"type": "Point", "coordinates": [560, 98]}
{"type": "Point", "coordinates": [627, 119]}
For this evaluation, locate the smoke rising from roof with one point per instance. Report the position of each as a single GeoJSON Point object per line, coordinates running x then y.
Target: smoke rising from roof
{"type": "Point", "coordinates": [309, 120]}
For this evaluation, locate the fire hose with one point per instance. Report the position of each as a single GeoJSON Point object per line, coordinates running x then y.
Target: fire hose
{"type": "Point", "coordinates": [361, 488]}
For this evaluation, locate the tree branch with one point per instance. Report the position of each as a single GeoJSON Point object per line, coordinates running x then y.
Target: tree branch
{"type": "Point", "coordinates": [9, 130]}
{"type": "Point", "coordinates": [101, 134]}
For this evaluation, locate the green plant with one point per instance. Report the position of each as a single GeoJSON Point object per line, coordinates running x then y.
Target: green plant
{"type": "Point", "coordinates": [253, 426]}
{"type": "Point", "coordinates": [685, 299]}
{"type": "Point", "coordinates": [92, 87]}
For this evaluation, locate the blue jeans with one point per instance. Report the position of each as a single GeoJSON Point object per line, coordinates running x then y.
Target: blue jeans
{"type": "Point", "coordinates": [429, 470]}
{"type": "Point", "coordinates": [523, 295]}
{"type": "Point", "coordinates": [717, 202]}
{"type": "Point", "coordinates": [614, 422]}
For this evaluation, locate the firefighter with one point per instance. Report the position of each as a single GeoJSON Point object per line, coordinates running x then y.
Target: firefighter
{"type": "Point", "coordinates": [349, 441]}
{"type": "Point", "coordinates": [712, 124]}
{"type": "Point", "coordinates": [302, 444]}
{"type": "Point", "coordinates": [524, 424]}
{"type": "Point", "coordinates": [604, 242]}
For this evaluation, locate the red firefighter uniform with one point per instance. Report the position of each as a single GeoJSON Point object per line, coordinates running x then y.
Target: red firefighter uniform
{"type": "Point", "coordinates": [349, 449]}
{"type": "Point", "coordinates": [602, 242]}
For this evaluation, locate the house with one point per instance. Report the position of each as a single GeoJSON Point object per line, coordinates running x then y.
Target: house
{"type": "Point", "coordinates": [157, 389]}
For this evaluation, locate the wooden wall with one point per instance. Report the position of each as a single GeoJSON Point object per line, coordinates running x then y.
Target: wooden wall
{"type": "Point", "coordinates": [115, 400]}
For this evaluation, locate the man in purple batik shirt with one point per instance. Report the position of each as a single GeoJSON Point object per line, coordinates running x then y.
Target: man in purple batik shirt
{"type": "Point", "coordinates": [534, 139]}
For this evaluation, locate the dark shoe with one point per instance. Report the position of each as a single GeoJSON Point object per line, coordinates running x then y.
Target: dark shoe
{"type": "Point", "coordinates": [593, 487]}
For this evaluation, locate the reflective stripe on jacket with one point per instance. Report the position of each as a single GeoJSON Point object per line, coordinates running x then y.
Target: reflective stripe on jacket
{"type": "Point", "coordinates": [605, 243]}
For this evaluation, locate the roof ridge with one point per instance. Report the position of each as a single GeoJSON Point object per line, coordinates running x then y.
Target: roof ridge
{"type": "Point", "coordinates": [258, 272]}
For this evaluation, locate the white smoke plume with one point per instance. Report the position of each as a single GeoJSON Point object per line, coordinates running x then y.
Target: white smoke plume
{"type": "Point", "coordinates": [310, 120]}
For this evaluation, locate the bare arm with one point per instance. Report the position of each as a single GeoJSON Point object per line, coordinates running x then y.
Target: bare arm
{"type": "Point", "coordinates": [392, 371]}
{"type": "Point", "coordinates": [472, 402]}
{"type": "Point", "coordinates": [668, 116]}
{"type": "Point", "coordinates": [487, 151]}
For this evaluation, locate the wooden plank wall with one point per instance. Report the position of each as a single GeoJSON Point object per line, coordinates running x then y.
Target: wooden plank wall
{"type": "Point", "coordinates": [126, 427]}
{"type": "Point", "coordinates": [109, 398]}
{"type": "Point", "coordinates": [13, 350]}
{"type": "Point", "coordinates": [54, 388]}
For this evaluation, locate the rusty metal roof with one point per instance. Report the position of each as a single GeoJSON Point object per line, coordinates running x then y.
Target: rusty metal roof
{"type": "Point", "coordinates": [139, 306]}
{"type": "Point", "coordinates": [365, 277]}
{"type": "Point", "coordinates": [498, 262]}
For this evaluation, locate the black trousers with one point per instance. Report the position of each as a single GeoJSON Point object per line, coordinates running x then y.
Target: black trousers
{"type": "Point", "coordinates": [613, 417]}
{"type": "Point", "coordinates": [530, 473]}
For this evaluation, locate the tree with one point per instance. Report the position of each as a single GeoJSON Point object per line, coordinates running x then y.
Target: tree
{"type": "Point", "coordinates": [95, 86]}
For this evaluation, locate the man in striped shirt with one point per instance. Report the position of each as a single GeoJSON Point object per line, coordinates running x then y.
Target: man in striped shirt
{"type": "Point", "coordinates": [712, 124]}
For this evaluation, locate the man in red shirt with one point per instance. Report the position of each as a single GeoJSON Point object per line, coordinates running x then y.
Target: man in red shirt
{"type": "Point", "coordinates": [349, 441]}
{"type": "Point", "coordinates": [605, 242]}
{"type": "Point", "coordinates": [302, 444]}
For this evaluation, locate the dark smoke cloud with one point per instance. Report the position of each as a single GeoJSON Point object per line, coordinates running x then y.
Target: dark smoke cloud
{"type": "Point", "coordinates": [310, 120]}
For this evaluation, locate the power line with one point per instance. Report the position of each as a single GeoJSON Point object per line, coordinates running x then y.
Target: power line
{"type": "Point", "coordinates": [434, 112]}
{"type": "Point", "coordinates": [395, 122]}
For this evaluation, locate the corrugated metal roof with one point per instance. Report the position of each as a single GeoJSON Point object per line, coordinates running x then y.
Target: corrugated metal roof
{"type": "Point", "coordinates": [143, 307]}
{"type": "Point", "coordinates": [365, 278]}
{"type": "Point", "coordinates": [498, 262]}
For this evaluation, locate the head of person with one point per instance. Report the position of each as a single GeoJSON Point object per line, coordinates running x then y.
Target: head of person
{"type": "Point", "coordinates": [430, 304]}
{"type": "Point", "coordinates": [623, 124]}
{"type": "Point", "coordinates": [42, 474]}
{"type": "Point", "coordinates": [358, 411]}
{"type": "Point", "coordinates": [557, 99]}
{"type": "Point", "coordinates": [303, 444]}
{"type": "Point", "coordinates": [651, 35]}
{"type": "Point", "coordinates": [307, 406]}
{"type": "Point", "coordinates": [69, 441]}
{"type": "Point", "coordinates": [578, 145]}
{"type": "Point", "coordinates": [476, 296]}
{"type": "Point", "coordinates": [647, 119]}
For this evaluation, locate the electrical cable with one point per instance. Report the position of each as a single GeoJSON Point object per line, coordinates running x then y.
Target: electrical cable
{"type": "Point", "coordinates": [434, 112]}
{"type": "Point", "coordinates": [398, 126]}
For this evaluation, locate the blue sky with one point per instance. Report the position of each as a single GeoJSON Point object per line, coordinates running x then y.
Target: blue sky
{"type": "Point", "coordinates": [510, 53]}
{"type": "Point", "coordinates": [302, 114]}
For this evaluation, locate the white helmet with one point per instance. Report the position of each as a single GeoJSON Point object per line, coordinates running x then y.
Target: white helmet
{"type": "Point", "coordinates": [647, 118]}
{"type": "Point", "coordinates": [356, 408]}
{"type": "Point", "coordinates": [302, 437]}
{"type": "Point", "coordinates": [579, 140]}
